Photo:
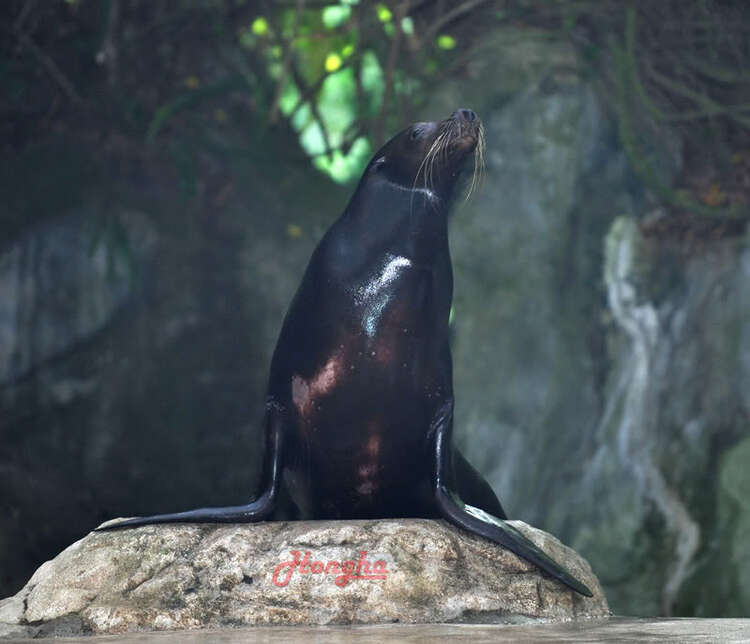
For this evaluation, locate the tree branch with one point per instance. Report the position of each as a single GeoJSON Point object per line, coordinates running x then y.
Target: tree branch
{"type": "Point", "coordinates": [109, 53]}
{"type": "Point", "coordinates": [401, 10]}
{"type": "Point", "coordinates": [273, 114]}
{"type": "Point", "coordinates": [450, 17]}
{"type": "Point", "coordinates": [52, 69]}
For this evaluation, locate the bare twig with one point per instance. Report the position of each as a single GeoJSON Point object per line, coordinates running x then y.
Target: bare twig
{"type": "Point", "coordinates": [401, 10]}
{"type": "Point", "coordinates": [706, 104]}
{"type": "Point", "coordinates": [52, 69]}
{"type": "Point", "coordinates": [313, 108]}
{"type": "Point", "coordinates": [288, 46]}
{"type": "Point", "coordinates": [350, 136]}
{"type": "Point", "coordinates": [308, 91]}
{"type": "Point", "coordinates": [359, 90]}
{"type": "Point", "coordinates": [22, 15]}
{"type": "Point", "coordinates": [449, 17]}
{"type": "Point", "coordinates": [715, 71]}
{"type": "Point", "coordinates": [109, 53]}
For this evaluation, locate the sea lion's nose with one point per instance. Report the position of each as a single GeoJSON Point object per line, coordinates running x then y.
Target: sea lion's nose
{"type": "Point", "coordinates": [464, 114]}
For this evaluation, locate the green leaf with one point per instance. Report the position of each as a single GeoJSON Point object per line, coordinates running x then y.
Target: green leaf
{"type": "Point", "coordinates": [259, 26]}
{"type": "Point", "coordinates": [343, 168]}
{"type": "Point", "coordinates": [312, 139]}
{"type": "Point", "coordinates": [444, 41]}
{"type": "Point", "coordinates": [384, 13]}
{"type": "Point", "coordinates": [247, 39]}
{"type": "Point", "coordinates": [372, 79]}
{"type": "Point", "coordinates": [335, 16]}
{"type": "Point", "coordinates": [289, 98]}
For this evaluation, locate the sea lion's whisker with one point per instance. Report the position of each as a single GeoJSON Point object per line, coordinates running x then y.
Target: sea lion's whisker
{"type": "Point", "coordinates": [438, 150]}
{"type": "Point", "coordinates": [425, 169]}
{"type": "Point", "coordinates": [429, 160]}
{"type": "Point", "coordinates": [477, 175]}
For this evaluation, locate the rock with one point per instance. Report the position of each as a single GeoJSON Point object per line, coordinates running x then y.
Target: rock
{"type": "Point", "coordinates": [190, 576]}
{"type": "Point", "coordinates": [167, 362]}
{"type": "Point", "coordinates": [670, 451]}
{"type": "Point", "coordinates": [530, 355]}
{"type": "Point", "coordinates": [61, 282]}
{"type": "Point", "coordinates": [601, 374]}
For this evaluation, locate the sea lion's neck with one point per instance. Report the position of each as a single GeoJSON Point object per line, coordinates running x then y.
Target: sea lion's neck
{"type": "Point", "coordinates": [404, 221]}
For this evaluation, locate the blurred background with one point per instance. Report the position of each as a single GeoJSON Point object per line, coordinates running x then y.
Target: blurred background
{"type": "Point", "coordinates": [167, 168]}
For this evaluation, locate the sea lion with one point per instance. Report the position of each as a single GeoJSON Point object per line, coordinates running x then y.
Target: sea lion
{"type": "Point", "coordinates": [360, 398]}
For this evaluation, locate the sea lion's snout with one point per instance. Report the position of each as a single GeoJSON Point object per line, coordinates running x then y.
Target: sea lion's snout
{"type": "Point", "coordinates": [464, 127]}
{"type": "Point", "coordinates": [464, 114]}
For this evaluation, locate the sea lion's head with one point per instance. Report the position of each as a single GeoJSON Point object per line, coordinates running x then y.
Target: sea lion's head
{"type": "Point", "coordinates": [429, 156]}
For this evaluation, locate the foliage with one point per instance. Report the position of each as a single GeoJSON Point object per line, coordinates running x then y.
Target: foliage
{"type": "Point", "coordinates": [680, 65]}
{"type": "Point", "coordinates": [341, 74]}
{"type": "Point", "coordinates": [344, 73]}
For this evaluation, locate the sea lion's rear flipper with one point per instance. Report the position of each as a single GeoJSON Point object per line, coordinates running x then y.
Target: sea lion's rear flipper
{"type": "Point", "coordinates": [473, 488]}
{"type": "Point", "coordinates": [447, 466]}
{"type": "Point", "coordinates": [257, 510]}
{"type": "Point", "coordinates": [484, 524]}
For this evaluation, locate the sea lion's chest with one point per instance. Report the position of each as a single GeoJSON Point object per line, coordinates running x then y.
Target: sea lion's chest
{"type": "Point", "coordinates": [396, 298]}
{"type": "Point", "coordinates": [362, 414]}
{"type": "Point", "coordinates": [376, 337]}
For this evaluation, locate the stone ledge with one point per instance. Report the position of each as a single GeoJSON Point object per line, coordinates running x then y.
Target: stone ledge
{"type": "Point", "coordinates": [173, 577]}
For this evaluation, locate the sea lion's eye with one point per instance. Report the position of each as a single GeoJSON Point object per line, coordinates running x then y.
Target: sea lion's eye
{"type": "Point", "coordinates": [414, 134]}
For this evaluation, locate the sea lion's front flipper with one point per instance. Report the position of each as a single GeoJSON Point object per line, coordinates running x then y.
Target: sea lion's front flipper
{"type": "Point", "coordinates": [452, 508]}
{"type": "Point", "coordinates": [257, 510]}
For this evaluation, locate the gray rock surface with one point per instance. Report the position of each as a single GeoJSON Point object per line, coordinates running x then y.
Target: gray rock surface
{"type": "Point", "coordinates": [171, 366]}
{"type": "Point", "coordinates": [176, 577]}
{"type": "Point", "coordinates": [602, 378]}
{"type": "Point", "coordinates": [62, 282]}
{"type": "Point", "coordinates": [670, 451]}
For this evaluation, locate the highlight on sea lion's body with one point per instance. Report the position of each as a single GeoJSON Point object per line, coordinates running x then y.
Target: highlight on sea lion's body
{"type": "Point", "coordinates": [359, 412]}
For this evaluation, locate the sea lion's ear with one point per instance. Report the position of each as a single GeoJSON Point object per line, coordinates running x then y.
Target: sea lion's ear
{"type": "Point", "coordinates": [378, 164]}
